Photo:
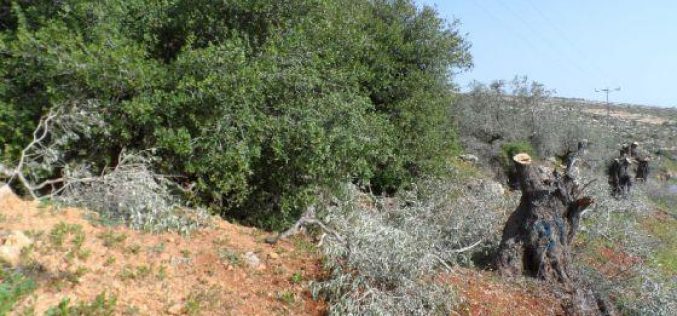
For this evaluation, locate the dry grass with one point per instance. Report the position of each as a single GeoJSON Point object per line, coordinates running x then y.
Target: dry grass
{"type": "Point", "coordinates": [625, 253]}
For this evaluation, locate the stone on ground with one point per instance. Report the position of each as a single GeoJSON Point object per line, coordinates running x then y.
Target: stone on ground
{"type": "Point", "coordinates": [10, 251]}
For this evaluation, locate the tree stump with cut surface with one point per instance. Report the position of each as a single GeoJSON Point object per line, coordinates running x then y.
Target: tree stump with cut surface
{"type": "Point", "coordinates": [538, 235]}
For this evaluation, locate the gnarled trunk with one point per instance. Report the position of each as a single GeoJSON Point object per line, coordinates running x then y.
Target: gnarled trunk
{"type": "Point", "coordinates": [538, 235]}
{"type": "Point", "coordinates": [619, 177]}
{"type": "Point", "coordinates": [642, 173]}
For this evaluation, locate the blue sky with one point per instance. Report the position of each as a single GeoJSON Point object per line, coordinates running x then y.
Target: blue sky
{"type": "Point", "coordinates": [573, 46]}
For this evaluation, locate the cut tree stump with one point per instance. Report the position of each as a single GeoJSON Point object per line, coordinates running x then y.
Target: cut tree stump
{"type": "Point", "coordinates": [538, 235]}
{"type": "Point", "coordinates": [642, 173]}
{"type": "Point", "coordinates": [619, 176]}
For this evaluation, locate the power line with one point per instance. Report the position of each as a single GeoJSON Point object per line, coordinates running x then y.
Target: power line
{"type": "Point", "coordinates": [546, 40]}
{"type": "Point", "coordinates": [574, 47]}
{"type": "Point", "coordinates": [509, 26]}
{"type": "Point", "coordinates": [608, 90]}
{"type": "Point", "coordinates": [574, 62]}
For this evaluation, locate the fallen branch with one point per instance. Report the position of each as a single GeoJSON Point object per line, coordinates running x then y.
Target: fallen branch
{"type": "Point", "coordinates": [587, 184]}
{"type": "Point", "coordinates": [449, 269]}
{"type": "Point", "coordinates": [51, 182]}
{"type": "Point", "coordinates": [464, 249]}
{"type": "Point", "coordinates": [39, 134]}
{"type": "Point", "coordinates": [43, 155]}
{"type": "Point", "coordinates": [308, 218]}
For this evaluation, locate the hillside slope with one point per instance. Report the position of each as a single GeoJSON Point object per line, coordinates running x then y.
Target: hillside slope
{"type": "Point", "coordinates": [213, 271]}
{"type": "Point", "coordinates": [78, 264]}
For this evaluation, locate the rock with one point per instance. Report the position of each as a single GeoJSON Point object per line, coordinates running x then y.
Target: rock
{"type": "Point", "coordinates": [5, 191]}
{"type": "Point", "coordinates": [10, 251]}
{"type": "Point", "coordinates": [271, 239]}
{"type": "Point", "coordinates": [469, 158]}
{"type": "Point", "coordinates": [273, 255]}
{"type": "Point", "coordinates": [252, 260]}
{"type": "Point", "coordinates": [10, 256]}
{"type": "Point", "coordinates": [18, 239]}
{"type": "Point", "coordinates": [176, 309]}
{"type": "Point", "coordinates": [493, 187]}
{"type": "Point", "coordinates": [671, 175]}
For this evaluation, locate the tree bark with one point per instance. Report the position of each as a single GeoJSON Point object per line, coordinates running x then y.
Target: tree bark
{"type": "Point", "coordinates": [538, 235]}
{"type": "Point", "coordinates": [619, 177]}
{"type": "Point", "coordinates": [642, 169]}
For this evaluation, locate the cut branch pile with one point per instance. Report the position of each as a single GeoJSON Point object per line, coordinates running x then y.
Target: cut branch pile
{"type": "Point", "coordinates": [129, 193]}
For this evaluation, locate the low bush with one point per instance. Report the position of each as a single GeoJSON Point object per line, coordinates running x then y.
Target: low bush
{"type": "Point", "coordinates": [102, 305]}
{"type": "Point", "coordinates": [395, 248]}
{"type": "Point", "coordinates": [508, 150]}
{"type": "Point", "coordinates": [13, 287]}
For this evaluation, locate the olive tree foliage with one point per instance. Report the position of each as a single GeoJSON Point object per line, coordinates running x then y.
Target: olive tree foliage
{"type": "Point", "coordinates": [133, 195]}
{"type": "Point", "coordinates": [257, 103]}
{"type": "Point", "coordinates": [44, 155]}
{"type": "Point", "coordinates": [521, 111]}
{"type": "Point", "coordinates": [393, 249]}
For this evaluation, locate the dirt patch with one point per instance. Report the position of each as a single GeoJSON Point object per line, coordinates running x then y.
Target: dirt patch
{"type": "Point", "coordinates": [153, 274]}
{"type": "Point", "coordinates": [616, 263]}
{"type": "Point", "coordinates": [613, 262]}
{"type": "Point", "coordinates": [484, 293]}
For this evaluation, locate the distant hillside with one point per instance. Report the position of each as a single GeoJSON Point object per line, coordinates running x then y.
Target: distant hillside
{"type": "Point", "coordinates": [643, 108]}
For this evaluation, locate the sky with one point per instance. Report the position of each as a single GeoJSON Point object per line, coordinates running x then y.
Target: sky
{"type": "Point", "coordinates": [573, 46]}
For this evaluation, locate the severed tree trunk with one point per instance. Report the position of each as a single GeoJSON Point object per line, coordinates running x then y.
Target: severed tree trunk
{"type": "Point", "coordinates": [538, 235]}
{"type": "Point", "coordinates": [642, 169]}
{"type": "Point", "coordinates": [619, 177]}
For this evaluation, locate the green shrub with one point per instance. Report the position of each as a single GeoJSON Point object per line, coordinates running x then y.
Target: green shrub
{"type": "Point", "coordinates": [102, 305]}
{"type": "Point", "coordinates": [13, 287]}
{"type": "Point", "coordinates": [258, 103]}
{"type": "Point", "coordinates": [61, 231]}
{"type": "Point", "coordinates": [508, 150]}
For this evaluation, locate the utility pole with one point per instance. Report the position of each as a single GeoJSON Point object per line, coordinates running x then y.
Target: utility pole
{"type": "Point", "coordinates": [608, 90]}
